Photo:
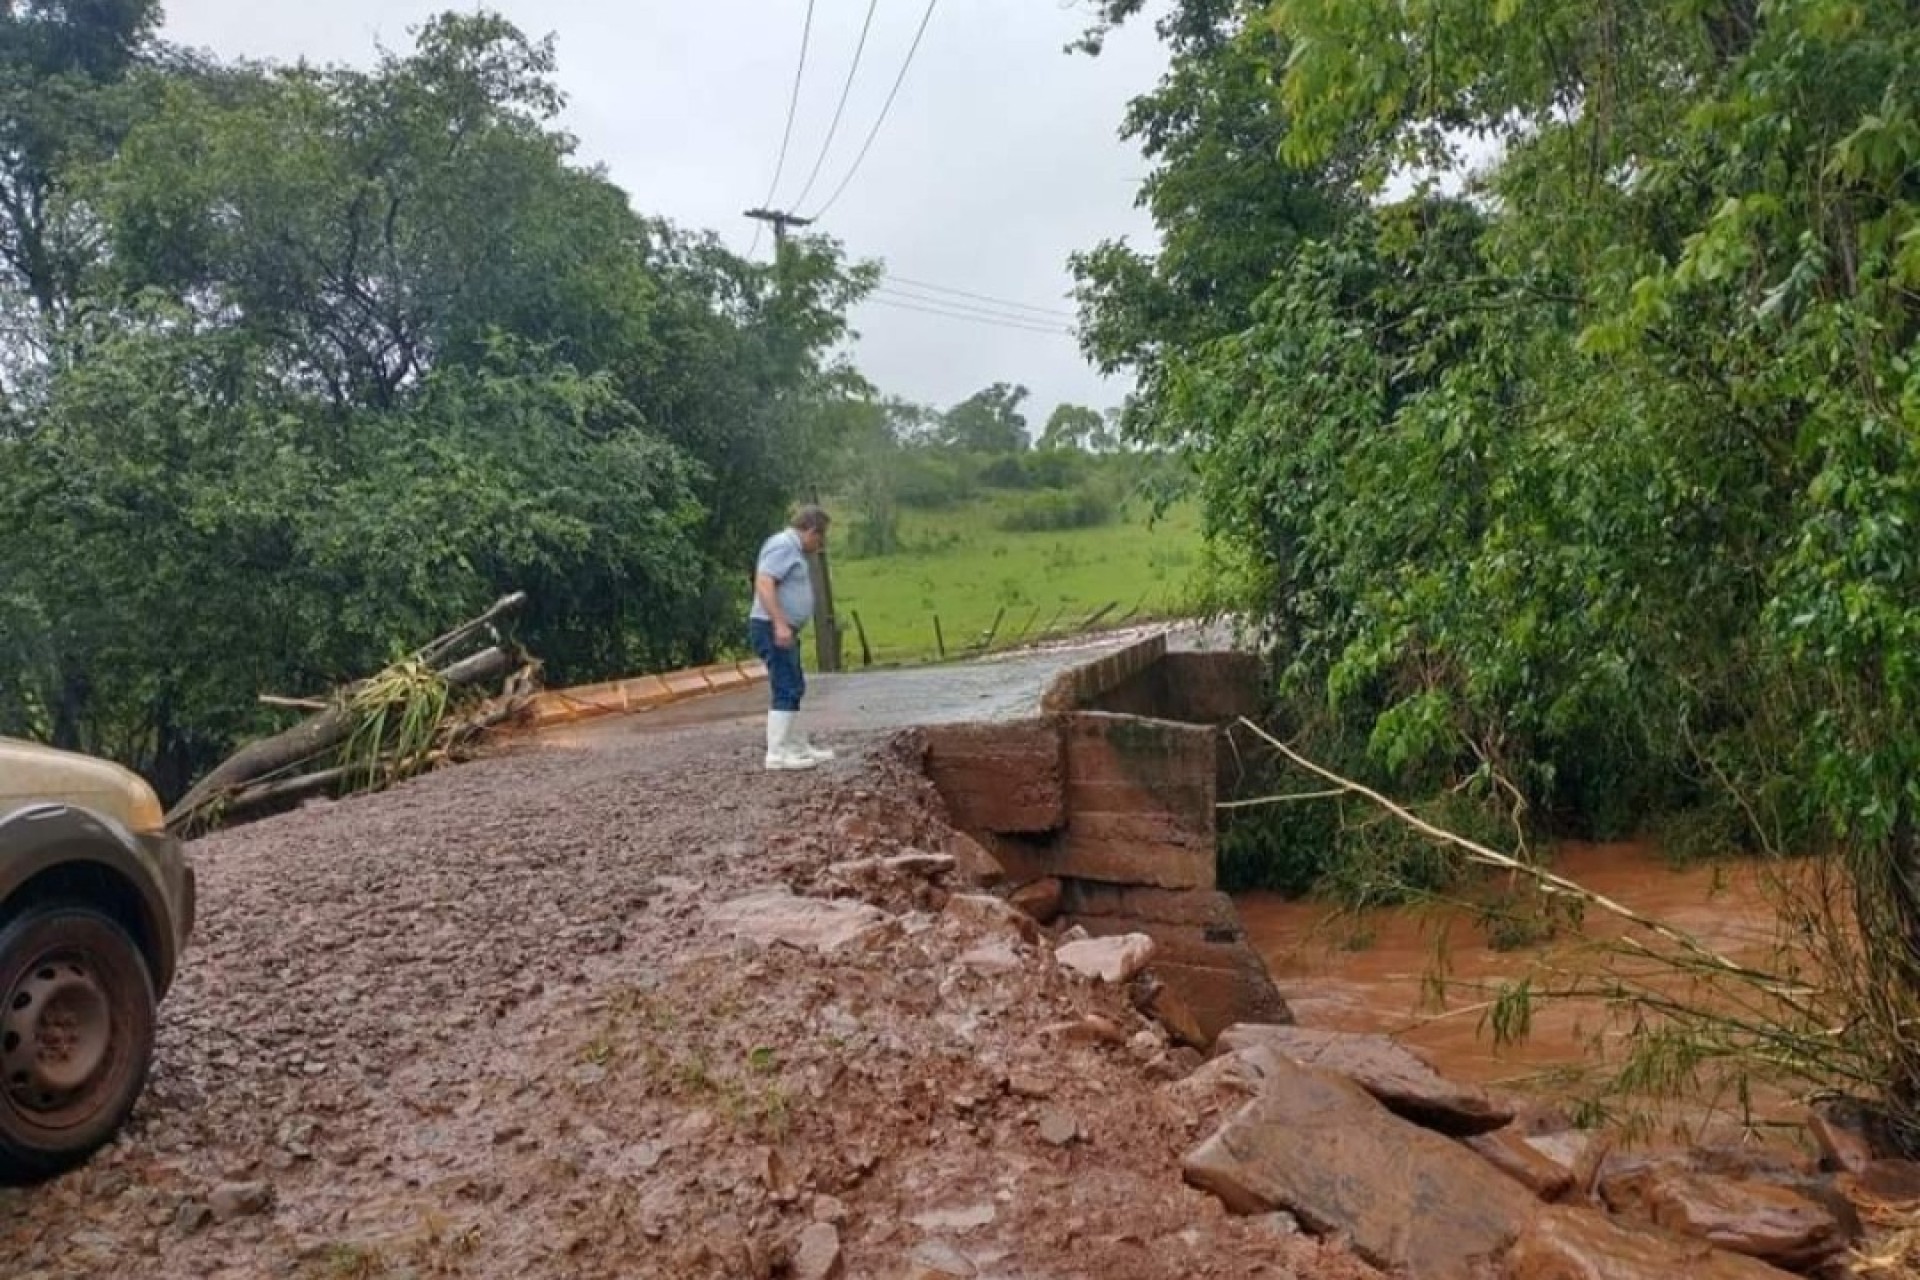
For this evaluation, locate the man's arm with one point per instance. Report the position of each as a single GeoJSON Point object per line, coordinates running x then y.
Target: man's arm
{"type": "Point", "coordinates": [769, 593]}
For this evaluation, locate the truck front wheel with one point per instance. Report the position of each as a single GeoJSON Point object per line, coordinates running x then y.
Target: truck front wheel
{"type": "Point", "coordinates": [76, 1036]}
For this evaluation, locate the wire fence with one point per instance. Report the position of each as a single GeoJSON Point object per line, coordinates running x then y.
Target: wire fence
{"type": "Point", "coordinates": [1010, 629]}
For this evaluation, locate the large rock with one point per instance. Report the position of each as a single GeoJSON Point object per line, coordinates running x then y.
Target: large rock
{"type": "Point", "coordinates": [810, 924]}
{"type": "Point", "coordinates": [818, 1256]}
{"type": "Point", "coordinates": [1391, 1072]}
{"type": "Point", "coordinates": [1112, 960]}
{"type": "Point", "coordinates": [1581, 1152]}
{"type": "Point", "coordinates": [1317, 1145]}
{"type": "Point", "coordinates": [1760, 1220]}
{"type": "Point", "coordinates": [1506, 1150]}
{"type": "Point", "coordinates": [984, 913]}
{"type": "Point", "coordinates": [1843, 1132]}
{"type": "Point", "coordinates": [1563, 1243]}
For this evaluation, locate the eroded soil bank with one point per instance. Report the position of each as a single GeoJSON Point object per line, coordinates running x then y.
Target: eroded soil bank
{"type": "Point", "coordinates": [487, 1025]}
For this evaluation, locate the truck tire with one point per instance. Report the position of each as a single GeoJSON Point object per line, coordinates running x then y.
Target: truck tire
{"type": "Point", "coordinates": [76, 1036]}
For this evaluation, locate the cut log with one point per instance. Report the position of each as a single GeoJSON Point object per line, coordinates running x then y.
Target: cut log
{"type": "Point", "coordinates": [436, 651]}
{"type": "Point", "coordinates": [457, 736]}
{"type": "Point", "coordinates": [307, 784]}
{"type": "Point", "coordinates": [318, 734]}
{"type": "Point", "coordinates": [308, 740]}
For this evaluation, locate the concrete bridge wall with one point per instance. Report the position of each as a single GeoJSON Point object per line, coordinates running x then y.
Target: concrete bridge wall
{"type": "Point", "coordinates": [1111, 791]}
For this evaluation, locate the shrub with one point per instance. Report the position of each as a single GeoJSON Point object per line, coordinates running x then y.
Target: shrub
{"type": "Point", "coordinates": [1287, 848]}
{"type": "Point", "coordinates": [931, 480]}
{"type": "Point", "coordinates": [1045, 469]}
{"type": "Point", "coordinates": [1055, 509]}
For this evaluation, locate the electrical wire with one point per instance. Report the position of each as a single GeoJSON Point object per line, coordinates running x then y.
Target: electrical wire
{"type": "Point", "coordinates": [1007, 303]}
{"type": "Point", "coordinates": [885, 107]}
{"type": "Point", "coordinates": [955, 315]}
{"type": "Point", "coordinates": [990, 313]}
{"type": "Point", "coordinates": [786, 136]}
{"type": "Point", "coordinates": [846, 91]}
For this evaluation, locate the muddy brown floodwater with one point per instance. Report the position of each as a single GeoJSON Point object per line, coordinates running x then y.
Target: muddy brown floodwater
{"type": "Point", "coordinates": [1372, 971]}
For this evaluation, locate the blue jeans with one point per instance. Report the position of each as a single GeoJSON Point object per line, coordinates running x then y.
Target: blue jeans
{"type": "Point", "coordinates": [784, 677]}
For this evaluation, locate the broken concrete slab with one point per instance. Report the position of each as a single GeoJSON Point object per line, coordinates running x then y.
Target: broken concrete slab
{"type": "Point", "coordinates": [1319, 1146]}
{"type": "Point", "coordinates": [1565, 1243]}
{"type": "Point", "coordinates": [1398, 1076]}
{"type": "Point", "coordinates": [1773, 1223]}
{"type": "Point", "coordinates": [1113, 960]}
{"type": "Point", "coordinates": [809, 924]}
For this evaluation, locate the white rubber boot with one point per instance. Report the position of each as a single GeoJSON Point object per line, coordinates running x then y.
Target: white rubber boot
{"type": "Point", "coordinates": [781, 752]}
{"type": "Point", "coordinates": [804, 745]}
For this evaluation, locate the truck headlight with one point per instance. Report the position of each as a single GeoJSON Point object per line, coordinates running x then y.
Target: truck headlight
{"type": "Point", "coordinates": [144, 813]}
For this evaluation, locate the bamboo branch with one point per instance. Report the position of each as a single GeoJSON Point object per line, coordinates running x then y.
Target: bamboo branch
{"type": "Point", "coordinates": [1333, 793]}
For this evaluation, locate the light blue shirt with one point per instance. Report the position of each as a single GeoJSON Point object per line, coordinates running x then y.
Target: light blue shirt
{"type": "Point", "coordinates": [783, 559]}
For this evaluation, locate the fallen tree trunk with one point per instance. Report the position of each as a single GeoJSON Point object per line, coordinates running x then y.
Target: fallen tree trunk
{"type": "Point", "coordinates": [307, 784]}
{"type": "Point", "coordinates": [326, 730]}
{"type": "Point", "coordinates": [309, 740]}
{"type": "Point", "coordinates": [456, 738]}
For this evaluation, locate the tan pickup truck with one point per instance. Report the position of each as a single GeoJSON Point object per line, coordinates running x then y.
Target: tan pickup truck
{"type": "Point", "coordinates": [96, 903]}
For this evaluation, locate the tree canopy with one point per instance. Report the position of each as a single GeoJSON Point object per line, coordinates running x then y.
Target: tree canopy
{"type": "Point", "coordinates": [304, 362]}
{"type": "Point", "coordinates": [988, 421]}
{"type": "Point", "coordinates": [1592, 483]}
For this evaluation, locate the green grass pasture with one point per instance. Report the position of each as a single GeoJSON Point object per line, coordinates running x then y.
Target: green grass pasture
{"type": "Point", "coordinates": [958, 566]}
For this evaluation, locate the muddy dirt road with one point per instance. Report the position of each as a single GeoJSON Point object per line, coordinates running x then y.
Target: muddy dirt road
{"type": "Point", "coordinates": [485, 1025]}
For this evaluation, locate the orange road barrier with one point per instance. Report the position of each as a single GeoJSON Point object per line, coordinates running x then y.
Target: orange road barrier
{"type": "Point", "coordinates": [638, 693]}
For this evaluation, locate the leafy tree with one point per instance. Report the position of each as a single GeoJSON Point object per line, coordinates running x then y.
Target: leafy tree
{"type": "Point", "coordinates": [1595, 487]}
{"type": "Point", "coordinates": [1074, 426]}
{"type": "Point", "coordinates": [988, 421]}
{"type": "Point", "coordinates": [64, 101]}
{"type": "Point", "coordinates": [358, 351]}
{"type": "Point", "coordinates": [1229, 210]}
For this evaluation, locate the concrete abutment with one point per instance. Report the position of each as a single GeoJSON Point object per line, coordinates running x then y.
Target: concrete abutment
{"type": "Point", "coordinates": [1111, 790]}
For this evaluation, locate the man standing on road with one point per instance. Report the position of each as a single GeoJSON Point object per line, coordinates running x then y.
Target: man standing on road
{"type": "Point", "coordinates": [782, 605]}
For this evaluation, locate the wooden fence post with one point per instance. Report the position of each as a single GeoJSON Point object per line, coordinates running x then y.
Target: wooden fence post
{"type": "Point", "coordinates": [866, 652]}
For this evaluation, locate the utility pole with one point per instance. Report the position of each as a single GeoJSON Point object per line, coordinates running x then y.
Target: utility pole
{"type": "Point", "coordinates": [781, 221]}
{"type": "Point", "coordinates": [826, 627]}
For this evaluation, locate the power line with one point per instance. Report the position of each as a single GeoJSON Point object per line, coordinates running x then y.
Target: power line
{"type": "Point", "coordinates": [884, 109]}
{"type": "Point", "coordinates": [981, 297]}
{"type": "Point", "coordinates": [955, 315]}
{"type": "Point", "coordinates": [793, 109]}
{"type": "Point", "coordinates": [991, 313]}
{"type": "Point", "coordinates": [839, 110]}
{"type": "Point", "coordinates": [972, 319]}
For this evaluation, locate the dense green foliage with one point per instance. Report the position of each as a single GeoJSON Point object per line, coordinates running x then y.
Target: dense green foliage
{"type": "Point", "coordinates": [301, 365]}
{"type": "Point", "coordinates": [1599, 481]}
{"type": "Point", "coordinates": [988, 421]}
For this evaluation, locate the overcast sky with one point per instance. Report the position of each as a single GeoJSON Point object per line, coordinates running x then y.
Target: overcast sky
{"type": "Point", "coordinates": [1000, 156]}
